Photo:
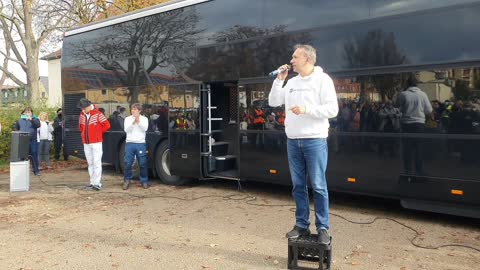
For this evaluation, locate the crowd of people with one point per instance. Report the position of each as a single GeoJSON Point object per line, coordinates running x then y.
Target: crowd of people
{"type": "Point", "coordinates": [460, 117]}
{"type": "Point", "coordinates": [42, 133]}
{"type": "Point", "coordinates": [455, 117]}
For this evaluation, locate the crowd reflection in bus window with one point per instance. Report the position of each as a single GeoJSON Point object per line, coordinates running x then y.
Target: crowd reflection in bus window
{"type": "Point", "coordinates": [117, 119]}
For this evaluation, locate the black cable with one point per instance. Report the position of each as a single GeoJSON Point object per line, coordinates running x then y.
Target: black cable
{"type": "Point", "coordinates": [251, 199]}
{"type": "Point", "coordinates": [412, 241]}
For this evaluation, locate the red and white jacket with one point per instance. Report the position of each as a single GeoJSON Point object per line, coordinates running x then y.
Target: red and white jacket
{"type": "Point", "coordinates": [93, 127]}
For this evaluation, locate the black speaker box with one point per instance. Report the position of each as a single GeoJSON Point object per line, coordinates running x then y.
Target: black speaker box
{"type": "Point", "coordinates": [19, 146]}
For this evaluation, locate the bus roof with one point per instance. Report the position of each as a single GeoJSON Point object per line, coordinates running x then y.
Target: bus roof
{"type": "Point", "coordinates": [175, 4]}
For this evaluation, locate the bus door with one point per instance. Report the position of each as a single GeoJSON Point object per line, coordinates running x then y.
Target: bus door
{"type": "Point", "coordinates": [72, 139]}
{"type": "Point", "coordinates": [184, 129]}
{"type": "Point", "coordinates": [219, 130]}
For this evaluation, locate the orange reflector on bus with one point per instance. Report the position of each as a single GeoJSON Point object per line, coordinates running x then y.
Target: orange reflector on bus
{"type": "Point", "coordinates": [351, 179]}
{"type": "Point", "coordinates": [273, 171]}
{"type": "Point", "coordinates": [456, 192]}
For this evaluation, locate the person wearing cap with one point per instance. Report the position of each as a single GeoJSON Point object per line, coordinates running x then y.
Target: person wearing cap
{"type": "Point", "coordinates": [92, 124]}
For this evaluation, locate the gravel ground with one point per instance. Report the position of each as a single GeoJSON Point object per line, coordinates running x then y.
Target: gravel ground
{"type": "Point", "coordinates": [210, 225]}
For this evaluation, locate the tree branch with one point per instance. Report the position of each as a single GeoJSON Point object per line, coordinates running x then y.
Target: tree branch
{"type": "Point", "coordinates": [7, 33]}
{"type": "Point", "coordinates": [12, 77]}
{"type": "Point", "coordinates": [7, 56]}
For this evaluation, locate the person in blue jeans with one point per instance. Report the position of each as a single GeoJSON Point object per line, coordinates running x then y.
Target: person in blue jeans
{"type": "Point", "coordinates": [136, 126]}
{"type": "Point", "coordinates": [30, 123]}
{"type": "Point", "coordinates": [310, 100]}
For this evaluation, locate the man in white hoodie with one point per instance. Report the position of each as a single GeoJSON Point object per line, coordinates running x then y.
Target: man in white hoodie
{"type": "Point", "coordinates": [310, 100]}
{"type": "Point", "coordinates": [136, 126]}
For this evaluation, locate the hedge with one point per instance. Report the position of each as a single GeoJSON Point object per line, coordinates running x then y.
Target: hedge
{"type": "Point", "coordinates": [8, 116]}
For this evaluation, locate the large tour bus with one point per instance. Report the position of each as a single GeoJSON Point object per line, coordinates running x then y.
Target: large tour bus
{"type": "Point", "coordinates": [200, 70]}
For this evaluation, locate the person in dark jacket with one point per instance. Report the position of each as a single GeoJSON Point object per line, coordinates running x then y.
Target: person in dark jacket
{"type": "Point", "coordinates": [30, 123]}
{"type": "Point", "coordinates": [58, 136]}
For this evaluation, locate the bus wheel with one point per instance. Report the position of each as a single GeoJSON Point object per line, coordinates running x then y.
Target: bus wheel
{"type": "Point", "coordinates": [121, 163]}
{"type": "Point", "coordinates": [162, 167]}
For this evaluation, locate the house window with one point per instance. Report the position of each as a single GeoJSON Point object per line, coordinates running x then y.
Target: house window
{"type": "Point", "coordinates": [24, 93]}
{"type": "Point", "coordinates": [16, 93]}
{"type": "Point", "coordinates": [5, 94]}
{"type": "Point", "coordinates": [104, 92]}
{"type": "Point", "coordinates": [43, 94]}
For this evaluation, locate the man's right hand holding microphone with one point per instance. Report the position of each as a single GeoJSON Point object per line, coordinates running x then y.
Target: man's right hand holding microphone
{"type": "Point", "coordinates": [283, 72]}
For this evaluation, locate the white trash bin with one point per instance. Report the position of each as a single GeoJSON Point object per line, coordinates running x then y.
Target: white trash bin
{"type": "Point", "coordinates": [20, 176]}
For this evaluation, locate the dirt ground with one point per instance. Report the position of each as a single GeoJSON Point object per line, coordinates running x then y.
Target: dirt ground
{"type": "Point", "coordinates": [209, 225]}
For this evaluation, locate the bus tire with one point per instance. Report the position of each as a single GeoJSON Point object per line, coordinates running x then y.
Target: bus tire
{"type": "Point", "coordinates": [162, 167]}
{"type": "Point", "coordinates": [121, 163]}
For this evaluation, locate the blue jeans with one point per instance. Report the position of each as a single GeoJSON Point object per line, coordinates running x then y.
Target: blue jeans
{"type": "Point", "coordinates": [33, 152]}
{"type": "Point", "coordinates": [140, 151]}
{"type": "Point", "coordinates": [308, 158]}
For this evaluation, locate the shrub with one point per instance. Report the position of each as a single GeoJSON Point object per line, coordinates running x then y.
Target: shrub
{"type": "Point", "coordinates": [8, 116]}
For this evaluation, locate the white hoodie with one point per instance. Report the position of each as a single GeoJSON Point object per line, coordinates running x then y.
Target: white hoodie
{"type": "Point", "coordinates": [316, 93]}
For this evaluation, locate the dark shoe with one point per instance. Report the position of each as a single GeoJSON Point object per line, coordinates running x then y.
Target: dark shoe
{"type": "Point", "coordinates": [89, 187]}
{"type": "Point", "coordinates": [96, 187]}
{"type": "Point", "coordinates": [296, 232]}
{"type": "Point", "coordinates": [323, 237]}
{"type": "Point", "coordinates": [145, 185]}
{"type": "Point", "coordinates": [126, 184]}
{"type": "Point", "coordinates": [37, 173]}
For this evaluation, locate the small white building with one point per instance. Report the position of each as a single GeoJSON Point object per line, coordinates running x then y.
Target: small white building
{"type": "Point", "coordinates": [54, 91]}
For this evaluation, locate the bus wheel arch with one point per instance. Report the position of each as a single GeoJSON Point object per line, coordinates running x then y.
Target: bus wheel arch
{"type": "Point", "coordinates": [162, 166]}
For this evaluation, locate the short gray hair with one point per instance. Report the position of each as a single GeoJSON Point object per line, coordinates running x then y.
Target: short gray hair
{"type": "Point", "coordinates": [309, 51]}
{"type": "Point", "coordinates": [137, 106]}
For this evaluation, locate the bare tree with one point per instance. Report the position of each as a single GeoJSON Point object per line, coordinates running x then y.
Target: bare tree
{"type": "Point", "coordinates": [4, 67]}
{"type": "Point", "coordinates": [376, 49]}
{"type": "Point", "coordinates": [135, 49]}
{"type": "Point", "coordinates": [245, 51]}
{"type": "Point", "coordinates": [26, 25]}
{"type": "Point", "coordinates": [84, 11]}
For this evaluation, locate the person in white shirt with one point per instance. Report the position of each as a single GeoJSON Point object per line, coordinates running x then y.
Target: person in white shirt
{"type": "Point", "coordinates": [136, 126]}
{"type": "Point", "coordinates": [310, 100]}
{"type": "Point", "coordinates": [45, 138]}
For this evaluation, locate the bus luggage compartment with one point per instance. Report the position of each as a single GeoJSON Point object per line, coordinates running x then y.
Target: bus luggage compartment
{"type": "Point", "coordinates": [418, 192]}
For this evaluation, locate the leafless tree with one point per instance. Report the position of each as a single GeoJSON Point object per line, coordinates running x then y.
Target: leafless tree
{"type": "Point", "coordinates": [30, 27]}
{"type": "Point", "coordinates": [376, 49]}
{"type": "Point", "coordinates": [26, 25]}
{"type": "Point", "coordinates": [135, 49]}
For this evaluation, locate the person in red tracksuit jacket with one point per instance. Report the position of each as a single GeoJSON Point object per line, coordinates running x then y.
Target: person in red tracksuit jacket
{"type": "Point", "coordinates": [92, 125]}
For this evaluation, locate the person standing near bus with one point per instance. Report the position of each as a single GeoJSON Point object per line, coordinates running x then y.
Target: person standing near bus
{"type": "Point", "coordinates": [58, 136]}
{"type": "Point", "coordinates": [136, 126]}
{"type": "Point", "coordinates": [310, 100]}
{"type": "Point", "coordinates": [30, 123]}
{"type": "Point", "coordinates": [92, 124]}
{"type": "Point", "coordinates": [45, 138]}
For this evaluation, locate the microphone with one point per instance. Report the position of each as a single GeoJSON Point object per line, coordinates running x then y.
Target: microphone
{"type": "Point", "coordinates": [280, 70]}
